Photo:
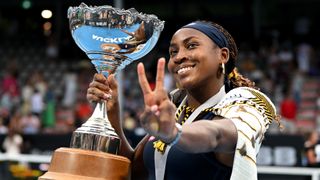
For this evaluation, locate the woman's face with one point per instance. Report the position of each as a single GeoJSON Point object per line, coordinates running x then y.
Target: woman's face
{"type": "Point", "coordinates": [195, 59]}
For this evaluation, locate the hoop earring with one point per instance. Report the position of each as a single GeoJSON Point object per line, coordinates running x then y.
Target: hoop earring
{"type": "Point", "coordinates": [223, 68]}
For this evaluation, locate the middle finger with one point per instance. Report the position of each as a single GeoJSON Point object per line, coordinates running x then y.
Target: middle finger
{"type": "Point", "coordinates": [100, 86]}
{"type": "Point", "coordinates": [160, 74]}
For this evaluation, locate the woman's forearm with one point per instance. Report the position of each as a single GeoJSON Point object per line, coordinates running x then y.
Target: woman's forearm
{"type": "Point", "coordinates": [138, 171]}
{"type": "Point", "coordinates": [207, 136]}
{"type": "Point", "coordinates": [114, 117]}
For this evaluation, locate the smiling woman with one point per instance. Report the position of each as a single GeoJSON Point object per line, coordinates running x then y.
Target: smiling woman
{"type": "Point", "coordinates": [213, 124]}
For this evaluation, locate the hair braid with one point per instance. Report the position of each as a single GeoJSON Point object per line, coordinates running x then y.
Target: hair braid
{"type": "Point", "coordinates": [234, 77]}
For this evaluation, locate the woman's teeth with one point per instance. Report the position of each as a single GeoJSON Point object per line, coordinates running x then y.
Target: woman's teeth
{"type": "Point", "coordinates": [183, 70]}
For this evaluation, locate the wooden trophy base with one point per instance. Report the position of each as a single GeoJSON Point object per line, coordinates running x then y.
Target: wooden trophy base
{"type": "Point", "coordinates": [70, 164]}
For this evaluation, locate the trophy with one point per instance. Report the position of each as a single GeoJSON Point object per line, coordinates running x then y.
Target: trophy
{"type": "Point", "coordinates": [112, 38]}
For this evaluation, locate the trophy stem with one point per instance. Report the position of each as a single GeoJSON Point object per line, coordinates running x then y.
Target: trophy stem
{"type": "Point", "coordinates": [96, 133]}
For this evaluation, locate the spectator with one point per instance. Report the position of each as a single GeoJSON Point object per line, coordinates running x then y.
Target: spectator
{"type": "Point", "coordinates": [304, 53]}
{"type": "Point", "coordinates": [30, 124]}
{"type": "Point", "coordinates": [83, 112]}
{"type": "Point", "coordinates": [39, 83]}
{"type": "Point", "coordinates": [12, 143]}
{"type": "Point", "coordinates": [26, 93]}
{"type": "Point", "coordinates": [3, 128]}
{"type": "Point", "coordinates": [9, 91]}
{"type": "Point", "coordinates": [288, 110]}
{"type": "Point", "coordinates": [297, 84]}
{"type": "Point", "coordinates": [37, 103]}
{"type": "Point", "coordinates": [9, 84]}
{"type": "Point", "coordinates": [48, 118]}
{"type": "Point", "coordinates": [70, 88]}
{"type": "Point", "coordinates": [312, 149]}
{"type": "Point", "coordinates": [65, 120]}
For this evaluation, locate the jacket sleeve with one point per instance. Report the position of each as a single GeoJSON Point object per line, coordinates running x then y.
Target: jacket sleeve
{"type": "Point", "coordinates": [251, 112]}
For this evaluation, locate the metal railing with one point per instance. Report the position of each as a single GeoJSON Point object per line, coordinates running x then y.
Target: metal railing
{"type": "Point", "coordinates": [33, 158]}
{"type": "Point", "coordinates": [278, 170]}
{"type": "Point", "coordinates": [270, 170]}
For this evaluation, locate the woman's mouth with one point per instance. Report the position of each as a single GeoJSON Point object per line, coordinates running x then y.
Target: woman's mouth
{"type": "Point", "coordinates": [184, 69]}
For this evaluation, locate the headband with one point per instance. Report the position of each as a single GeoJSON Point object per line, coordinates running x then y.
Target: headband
{"type": "Point", "coordinates": [212, 32]}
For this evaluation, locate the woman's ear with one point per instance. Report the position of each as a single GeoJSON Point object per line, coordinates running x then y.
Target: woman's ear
{"type": "Point", "coordinates": [225, 53]}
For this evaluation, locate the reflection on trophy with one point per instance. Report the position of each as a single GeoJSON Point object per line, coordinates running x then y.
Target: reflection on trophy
{"type": "Point", "coordinates": [112, 38]}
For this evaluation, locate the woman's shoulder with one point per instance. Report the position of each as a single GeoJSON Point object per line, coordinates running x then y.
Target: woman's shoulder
{"type": "Point", "coordinates": [247, 93]}
{"type": "Point", "coordinates": [249, 97]}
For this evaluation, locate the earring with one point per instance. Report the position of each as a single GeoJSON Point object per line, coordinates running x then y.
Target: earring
{"type": "Point", "coordinates": [223, 68]}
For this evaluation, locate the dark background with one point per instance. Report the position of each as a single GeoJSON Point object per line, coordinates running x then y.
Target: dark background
{"type": "Point", "coordinates": [249, 21]}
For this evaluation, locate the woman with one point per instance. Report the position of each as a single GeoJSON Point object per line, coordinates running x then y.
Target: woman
{"type": "Point", "coordinates": [223, 117]}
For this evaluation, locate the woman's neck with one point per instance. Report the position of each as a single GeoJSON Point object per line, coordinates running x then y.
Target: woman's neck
{"type": "Point", "coordinates": [200, 95]}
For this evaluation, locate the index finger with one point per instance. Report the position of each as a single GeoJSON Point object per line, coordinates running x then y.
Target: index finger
{"type": "Point", "coordinates": [160, 74]}
{"type": "Point", "coordinates": [112, 82]}
{"type": "Point", "coordinates": [99, 78]}
{"type": "Point", "coordinates": [144, 84]}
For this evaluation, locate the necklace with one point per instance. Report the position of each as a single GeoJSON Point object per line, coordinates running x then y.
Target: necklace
{"type": "Point", "coordinates": [183, 112]}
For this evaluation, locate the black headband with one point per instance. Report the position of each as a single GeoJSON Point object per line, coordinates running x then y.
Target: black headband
{"type": "Point", "coordinates": [212, 32]}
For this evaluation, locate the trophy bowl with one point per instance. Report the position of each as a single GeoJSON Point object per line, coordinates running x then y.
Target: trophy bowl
{"type": "Point", "coordinates": [112, 38]}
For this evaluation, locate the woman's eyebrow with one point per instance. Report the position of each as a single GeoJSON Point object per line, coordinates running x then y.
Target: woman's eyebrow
{"type": "Point", "coordinates": [188, 39]}
{"type": "Point", "coordinates": [172, 45]}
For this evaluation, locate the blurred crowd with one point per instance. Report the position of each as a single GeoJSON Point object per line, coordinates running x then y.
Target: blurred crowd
{"type": "Point", "coordinates": [287, 73]}
{"type": "Point", "coordinates": [31, 106]}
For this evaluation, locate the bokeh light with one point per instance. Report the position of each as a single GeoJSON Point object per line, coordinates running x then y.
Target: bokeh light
{"type": "Point", "coordinates": [46, 14]}
{"type": "Point", "coordinates": [26, 4]}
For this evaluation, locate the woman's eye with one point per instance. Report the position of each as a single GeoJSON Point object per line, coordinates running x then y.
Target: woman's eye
{"type": "Point", "coordinates": [191, 45]}
{"type": "Point", "coordinates": [173, 52]}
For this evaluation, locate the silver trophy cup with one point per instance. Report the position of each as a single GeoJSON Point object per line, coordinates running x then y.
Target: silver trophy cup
{"type": "Point", "coordinates": [112, 38]}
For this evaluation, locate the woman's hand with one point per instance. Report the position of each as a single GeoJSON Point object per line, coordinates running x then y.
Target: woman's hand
{"type": "Point", "coordinates": [158, 118]}
{"type": "Point", "coordinates": [102, 88]}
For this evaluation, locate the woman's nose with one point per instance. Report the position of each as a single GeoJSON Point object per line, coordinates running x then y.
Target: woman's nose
{"type": "Point", "coordinates": [180, 56]}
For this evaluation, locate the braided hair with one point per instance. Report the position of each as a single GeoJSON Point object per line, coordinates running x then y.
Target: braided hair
{"type": "Point", "coordinates": [233, 78]}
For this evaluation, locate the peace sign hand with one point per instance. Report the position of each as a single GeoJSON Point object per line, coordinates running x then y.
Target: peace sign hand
{"type": "Point", "coordinates": [158, 116]}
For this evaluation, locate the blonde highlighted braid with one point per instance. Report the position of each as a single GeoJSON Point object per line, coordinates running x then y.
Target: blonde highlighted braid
{"type": "Point", "coordinates": [238, 80]}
